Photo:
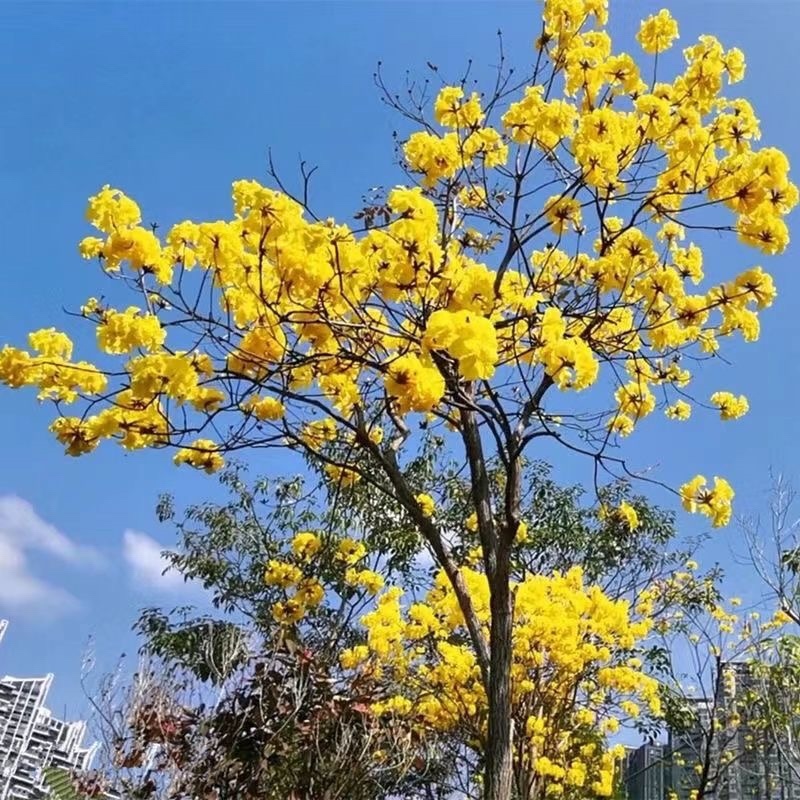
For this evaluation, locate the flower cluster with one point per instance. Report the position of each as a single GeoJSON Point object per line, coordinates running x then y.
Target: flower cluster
{"type": "Point", "coordinates": [570, 641]}
{"type": "Point", "coordinates": [294, 574]}
{"type": "Point", "coordinates": [714, 502]}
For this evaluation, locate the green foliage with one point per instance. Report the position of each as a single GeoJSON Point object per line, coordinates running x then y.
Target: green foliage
{"type": "Point", "coordinates": [225, 546]}
{"type": "Point", "coordinates": [60, 784]}
{"type": "Point", "coordinates": [210, 649]}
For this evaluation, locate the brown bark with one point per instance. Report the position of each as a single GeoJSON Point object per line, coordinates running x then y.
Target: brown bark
{"type": "Point", "coordinates": [499, 747]}
{"type": "Point", "coordinates": [498, 777]}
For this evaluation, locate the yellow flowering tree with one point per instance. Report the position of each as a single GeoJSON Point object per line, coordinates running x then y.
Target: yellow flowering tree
{"type": "Point", "coordinates": [575, 675]}
{"type": "Point", "coordinates": [303, 583]}
{"type": "Point", "coordinates": [548, 244]}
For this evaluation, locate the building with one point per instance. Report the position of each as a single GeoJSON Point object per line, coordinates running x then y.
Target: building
{"type": "Point", "coordinates": [32, 739]}
{"type": "Point", "coordinates": [686, 748]}
{"type": "Point", "coordinates": [761, 766]}
{"type": "Point", "coordinates": [719, 749]}
{"type": "Point", "coordinates": [645, 773]}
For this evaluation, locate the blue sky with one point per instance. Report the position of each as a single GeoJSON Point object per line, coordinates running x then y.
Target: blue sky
{"type": "Point", "coordinates": [173, 101]}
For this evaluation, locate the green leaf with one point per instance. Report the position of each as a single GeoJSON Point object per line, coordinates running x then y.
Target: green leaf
{"type": "Point", "coordinates": [60, 784]}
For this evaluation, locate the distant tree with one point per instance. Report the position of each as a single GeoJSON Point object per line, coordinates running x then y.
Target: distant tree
{"type": "Point", "coordinates": [239, 705]}
{"type": "Point", "coordinates": [773, 541]}
{"type": "Point", "coordinates": [280, 730]}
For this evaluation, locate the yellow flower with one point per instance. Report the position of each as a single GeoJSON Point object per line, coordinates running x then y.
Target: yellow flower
{"type": "Point", "coordinates": [91, 247]}
{"type": "Point", "coordinates": [436, 157]}
{"type": "Point", "coordinates": [354, 656]}
{"type": "Point", "coordinates": [713, 502]}
{"type": "Point", "coordinates": [343, 477]}
{"type": "Point", "coordinates": [394, 705]}
{"type": "Point", "coordinates": [123, 331]}
{"type": "Point", "coordinates": [628, 515]}
{"type": "Point", "coordinates": [415, 385]}
{"type": "Point", "coordinates": [201, 454]}
{"type": "Point", "coordinates": [365, 579]}
{"type": "Point", "coordinates": [472, 197]}
{"type": "Point", "coordinates": [609, 725]}
{"type": "Point", "coordinates": [466, 336]}
{"type": "Point", "coordinates": [488, 144]}
{"type": "Point", "coordinates": [427, 504]}
{"type": "Point", "coordinates": [77, 436]}
{"type": "Point", "coordinates": [376, 434]}
{"type": "Point", "coordinates": [309, 592]}
{"type": "Point", "coordinates": [730, 406]}
{"type": "Point", "coordinates": [630, 708]}
{"type": "Point", "coordinates": [570, 362]}
{"type": "Point", "coordinates": [110, 209]}
{"type": "Point", "coordinates": [621, 424]}
{"type": "Point", "coordinates": [635, 399]}
{"type": "Point", "coordinates": [264, 408]}
{"type": "Point", "coordinates": [521, 535]}
{"type": "Point", "coordinates": [51, 343]}
{"type": "Point", "coordinates": [350, 551]}
{"type": "Point", "coordinates": [563, 212]}
{"type": "Point", "coordinates": [306, 544]}
{"type": "Point", "coordinates": [679, 410]}
{"type": "Point", "coordinates": [288, 611]}
{"type": "Point", "coordinates": [281, 574]}
{"type": "Point", "coordinates": [658, 32]}
{"type": "Point", "coordinates": [318, 433]}
{"type": "Point", "coordinates": [453, 111]}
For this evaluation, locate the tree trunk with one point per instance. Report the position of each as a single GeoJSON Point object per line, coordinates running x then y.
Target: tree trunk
{"type": "Point", "coordinates": [499, 747]}
{"type": "Point", "coordinates": [496, 547]}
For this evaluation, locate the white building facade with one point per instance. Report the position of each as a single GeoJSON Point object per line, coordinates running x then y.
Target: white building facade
{"type": "Point", "coordinates": [32, 740]}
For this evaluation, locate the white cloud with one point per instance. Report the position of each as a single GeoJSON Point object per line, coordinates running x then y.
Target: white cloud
{"type": "Point", "coordinates": [145, 557]}
{"type": "Point", "coordinates": [23, 531]}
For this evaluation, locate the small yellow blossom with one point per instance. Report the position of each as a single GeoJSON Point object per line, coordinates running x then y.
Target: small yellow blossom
{"type": "Point", "coordinates": [658, 32]}
{"type": "Point", "coordinates": [306, 544]}
{"type": "Point", "coordinates": [427, 504]}
{"type": "Point", "coordinates": [627, 513]}
{"type": "Point", "coordinates": [350, 551]}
